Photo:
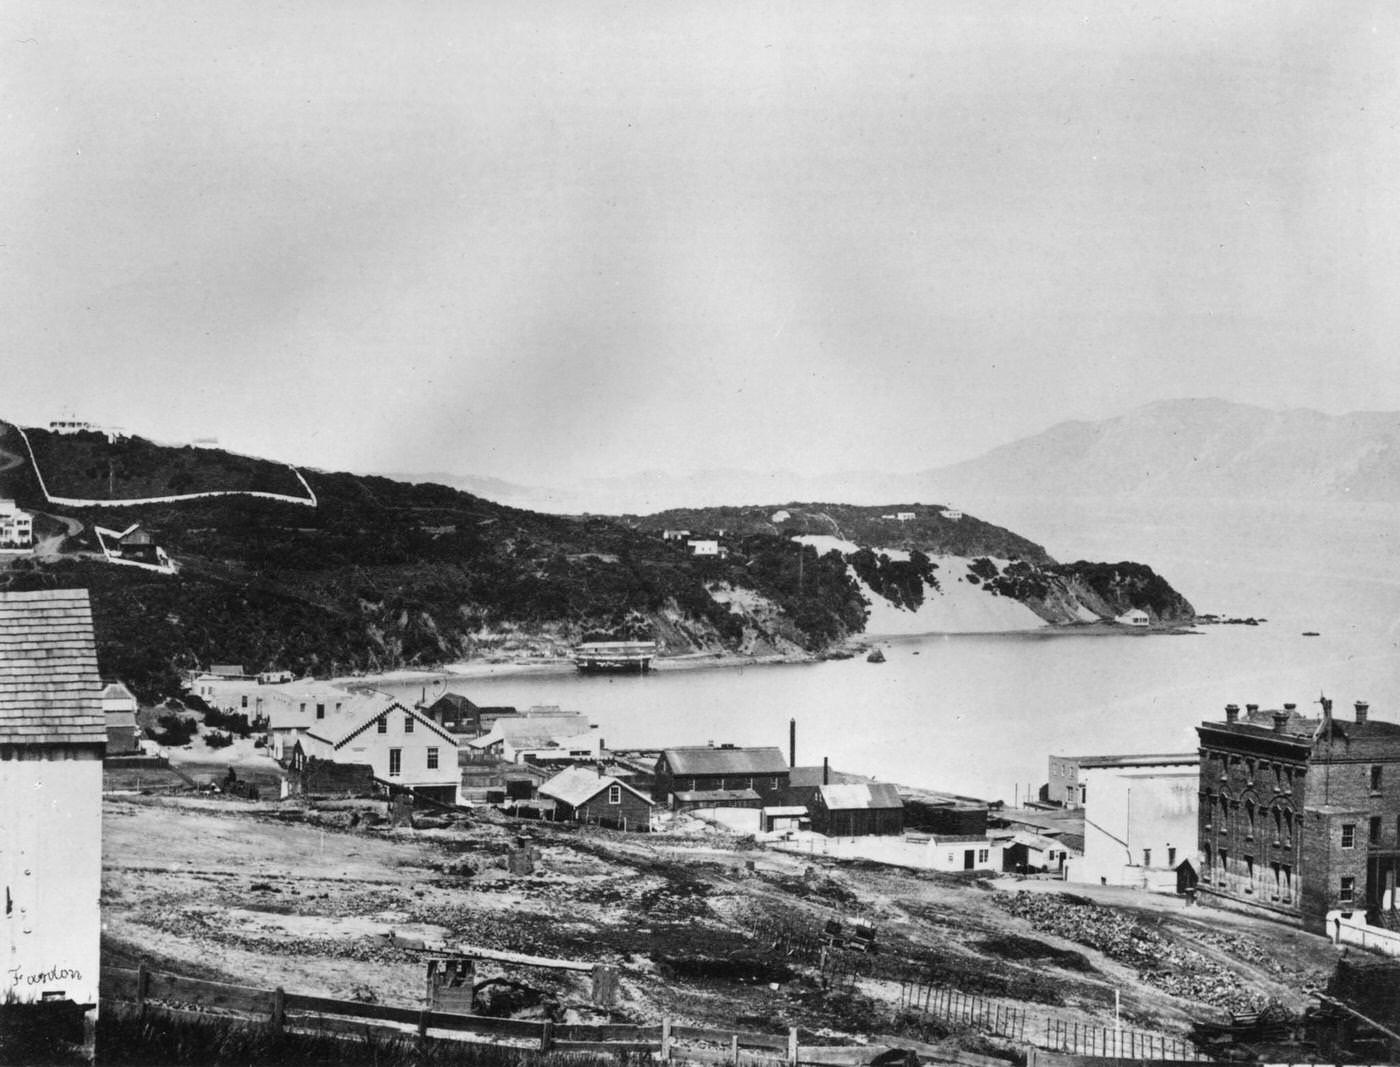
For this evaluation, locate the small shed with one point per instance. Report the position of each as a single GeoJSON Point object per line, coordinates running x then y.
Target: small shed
{"type": "Point", "coordinates": [1134, 617]}
{"type": "Point", "coordinates": [784, 817]}
{"type": "Point", "coordinates": [858, 810]}
{"type": "Point", "coordinates": [583, 795]}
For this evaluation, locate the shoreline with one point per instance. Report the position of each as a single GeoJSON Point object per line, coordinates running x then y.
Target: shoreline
{"type": "Point", "coordinates": [852, 647]}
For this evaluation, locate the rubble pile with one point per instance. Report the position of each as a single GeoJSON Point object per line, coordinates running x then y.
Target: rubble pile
{"type": "Point", "coordinates": [1161, 962]}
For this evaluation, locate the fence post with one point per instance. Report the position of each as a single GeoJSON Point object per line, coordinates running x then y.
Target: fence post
{"type": "Point", "coordinates": [143, 986]}
{"type": "Point", "coordinates": [423, 1024]}
{"type": "Point", "coordinates": [666, 1039]}
{"type": "Point", "coordinates": [279, 1010]}
{"type": "Point", "coordinates": [792, 1046]}
{"type": "Point", "coordinates": [546, 1035]}
{"type": "Point", "coordinates": [734, 1049]}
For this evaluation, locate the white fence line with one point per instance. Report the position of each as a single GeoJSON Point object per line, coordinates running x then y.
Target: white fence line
{"type": "Point", "coordinates": [1346, 928]}
{"type": "Point", "coordinates": [77, 502]}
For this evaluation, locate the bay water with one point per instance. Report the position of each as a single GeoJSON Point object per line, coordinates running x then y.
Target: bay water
{"type": "Point", "coordinates": [980, 714]}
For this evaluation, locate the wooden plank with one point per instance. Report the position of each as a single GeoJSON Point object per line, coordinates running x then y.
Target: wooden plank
{"type": "Point", "coordinates": [608, 1032]}
{"type": "Point", "coordinates": [722, 1055]}
{"type": "Point", "coordinates": [606, 1046]}
{"type": "Point", "coordinates": [353, 1008]}
{"type": "Point", "coordinates": [843, 1055]}
{"type": "Point", "coordinates": [320, 1024]}
{"type": "Point", "coordinates": [484, 1024]}
{"type": "Point", "coordinates": [725, 1037]}
{"type": "Point", "coordinates": [212, 994]}
{"type": "Point", "coordinates": [117, 983]}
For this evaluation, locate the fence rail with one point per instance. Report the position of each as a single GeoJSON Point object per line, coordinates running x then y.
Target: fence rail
{"type": "Point", "coordinates": [1074, 1038]}
{"type": "Point", "coordinates": [192, 998]}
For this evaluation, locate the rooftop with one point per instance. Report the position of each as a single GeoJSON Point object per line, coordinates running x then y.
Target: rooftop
{"type": "Point", "coordinates": [705, 759]}
{"type": "Point", "coordinates": [50, 688]}
{"type": "Point", "coordinates": [577, 785]}
{"type": "Point", "coordinates": [879, 795]}
{"type": "Point", "coordinates": [1147, 759]}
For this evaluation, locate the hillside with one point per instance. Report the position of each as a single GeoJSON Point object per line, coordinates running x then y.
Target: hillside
{"type": "Point", "coordinates": [383, 574]}
{"type": "Point", "coordinates": [1194, 449]}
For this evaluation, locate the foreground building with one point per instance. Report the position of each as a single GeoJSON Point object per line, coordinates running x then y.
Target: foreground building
{"type": "Point", "coordinates": [52, 735]}
{"type": "Point", "coordinates": [1300, 816]}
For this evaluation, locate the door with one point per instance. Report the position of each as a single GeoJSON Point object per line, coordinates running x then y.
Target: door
{"type": "Point", "coordinates": [969, 856]}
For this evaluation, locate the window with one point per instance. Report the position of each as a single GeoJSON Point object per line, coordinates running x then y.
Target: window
{"type": "Point", "coordinates": [1348, 835]}
{"type": "Point", "coordinates": [408, 724]}
{"type": "Point", "coordinates": [1249, 814]}
{"type": "Point", "coordinates": [1249, 873]}
{"type": "Point", "coordinates": [1147, 857]}
{"type": "Point", "coordinates": [1171, 858]}
{"type": "Point", "coordinates": [320, 711]}
{"type": "Point", "coordinates": [245, 700]}
{"type": "Point", "coordinates": [1348, 890]}
{"type": "Point", "coordinates": [303, 707]}
{"type": "Point", "coordinates": [614, 794]}
{"type": "Point", "coordinates": [382, 724]}
{"type": "Point", "coordinates": [395, 762]}
{"type": "Point", "coordinates": [1375, 829]}
{"type": "Point", "coordinates": [432, 759]}
{"type": "Point", "coordinates": [1375, 779]}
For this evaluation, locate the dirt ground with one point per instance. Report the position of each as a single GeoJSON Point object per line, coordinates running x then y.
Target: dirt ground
{"type": "Point", "coordinates": [274, 893]}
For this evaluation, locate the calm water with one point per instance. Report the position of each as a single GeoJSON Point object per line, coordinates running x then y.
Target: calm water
{"type": "Point", "coordinates": [980, 714]}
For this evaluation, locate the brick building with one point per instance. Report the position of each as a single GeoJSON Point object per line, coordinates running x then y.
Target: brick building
{"type": "Point", "coordinates": [1300, 816]}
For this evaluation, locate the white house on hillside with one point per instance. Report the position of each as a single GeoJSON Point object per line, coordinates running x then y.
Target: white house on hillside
{"type": "Point", "coordinates": [16, 526]}
{"type": "Point", "coordinates": [52, 735]}
{"type": "Point", "coordinates": [1134, 617]}
{"type": "Point", "coordinates": [403, 746]}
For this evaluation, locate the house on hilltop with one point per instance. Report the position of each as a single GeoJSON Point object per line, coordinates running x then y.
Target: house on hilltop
{"type": "Point", "coordinates": [401, 744]}
{"type": "Point", "coordinates": [16, 526]}
{"type": "Point", "coordinates": [52, 736]}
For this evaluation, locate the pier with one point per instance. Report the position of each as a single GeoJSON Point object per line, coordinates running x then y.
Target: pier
{"type": "Point", "coordinates": [633, 656]}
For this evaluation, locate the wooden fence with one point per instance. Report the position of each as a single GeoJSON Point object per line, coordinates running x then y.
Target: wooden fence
{"type": "Point", "coordinates": [958, 1007]}
{"type": "Point", "coordinates": [1077, 1039]}
{"type": "Point", "coordinates": [180, 997]}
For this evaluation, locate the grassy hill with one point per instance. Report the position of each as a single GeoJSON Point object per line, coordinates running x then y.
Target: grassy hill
{"type": "Point", "coordinates": [384, 574]}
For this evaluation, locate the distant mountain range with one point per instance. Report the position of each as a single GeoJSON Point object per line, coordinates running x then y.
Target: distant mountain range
{"type": "Point", "coordinates": [1188, 449]}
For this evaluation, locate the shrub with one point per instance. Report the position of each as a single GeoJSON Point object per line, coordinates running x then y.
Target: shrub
{"type": "Point", "coordinates": [173, 730]}
{"type": "Point", "coordinates": [215, 739]}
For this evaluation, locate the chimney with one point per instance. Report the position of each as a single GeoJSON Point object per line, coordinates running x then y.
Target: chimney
{"type": "Point", "coordinates": [826, 770]}
{"type": "Point", "coordinates": [1250, 709]}
{"type": "Point", "coordinates": [1232, 713]}
{"type": "Point", "coordinates": [1362, 708]}
{"type": "Point", "coordinates": [792, 742]}
{"type": "Point", "coordinates": [1280, 721]}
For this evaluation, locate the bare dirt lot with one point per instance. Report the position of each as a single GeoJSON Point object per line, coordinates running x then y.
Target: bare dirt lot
{"type": "Point", "coordinates": [271, 894]}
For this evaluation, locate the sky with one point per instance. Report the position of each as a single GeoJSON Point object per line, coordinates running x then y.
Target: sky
{"type": "Point", "coordinates": [544, 241]}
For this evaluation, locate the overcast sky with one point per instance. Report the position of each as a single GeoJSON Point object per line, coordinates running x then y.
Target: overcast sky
{"type": "Point", "coordinates": [537, 240]}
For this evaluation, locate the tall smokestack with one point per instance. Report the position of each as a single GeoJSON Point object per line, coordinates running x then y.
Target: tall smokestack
{"type": "Point", "coordinates": [1232, 713]}
{"type": "Point", "coordinates": [826, 770]}
{"type": "Point", "coordinates": [1362, 710]}
{"type": "Point", "coordinates": [792, 742]}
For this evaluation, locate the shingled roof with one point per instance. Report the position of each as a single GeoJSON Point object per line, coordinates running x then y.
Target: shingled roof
{"type": "Point", "coordinates": [50, 688]}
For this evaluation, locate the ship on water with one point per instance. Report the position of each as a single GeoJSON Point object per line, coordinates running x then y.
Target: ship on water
{"type": "Point", "coordinates": [630, 656]}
